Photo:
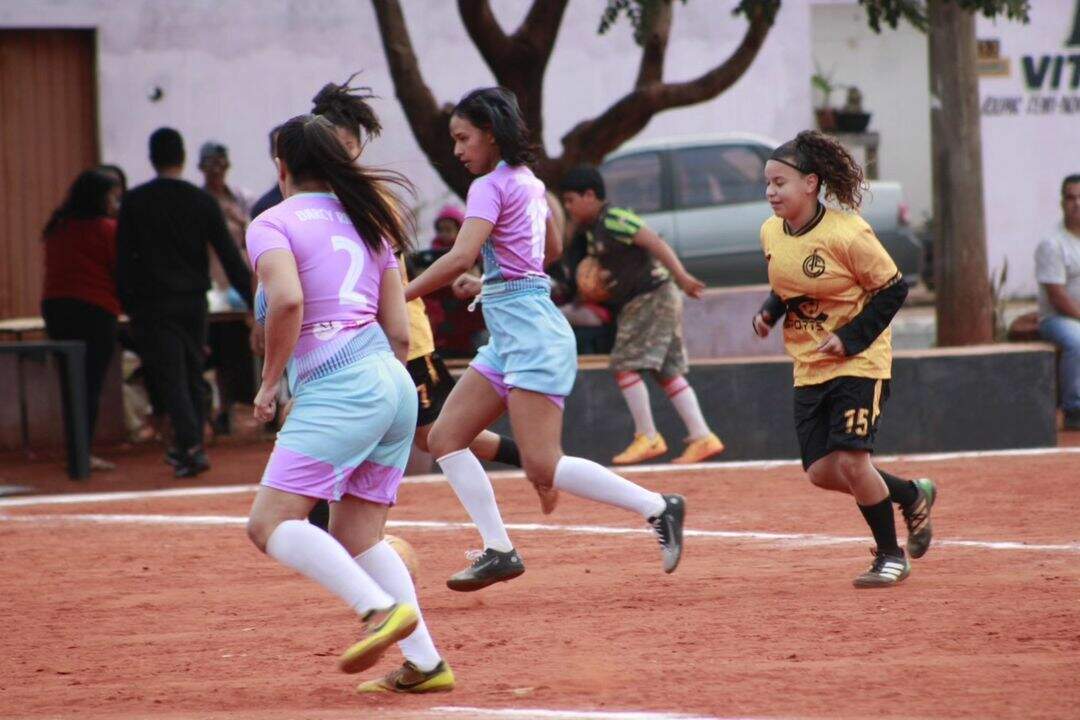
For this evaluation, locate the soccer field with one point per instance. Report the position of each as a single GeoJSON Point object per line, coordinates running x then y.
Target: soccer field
{"type": "Point", "coordinates": [154, 603]}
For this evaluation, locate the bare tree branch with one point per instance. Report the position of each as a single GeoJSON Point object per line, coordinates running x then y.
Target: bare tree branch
{"type": "Point", "coordinates": [485, 32]}
{"type": "Point", "coordinates": [429, 122]}
{"type": "Point", "coordinates": [591, 140]}
{"type": "Point", "coordinates": [654, 47]}
{"type": "Point", "coordinates": [538, 30]}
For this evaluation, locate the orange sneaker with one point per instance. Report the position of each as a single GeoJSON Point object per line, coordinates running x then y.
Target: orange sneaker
{"type": "Point", "coordinates": [641, 449]}
{"type": "Point", "coordinates": [700, 450]}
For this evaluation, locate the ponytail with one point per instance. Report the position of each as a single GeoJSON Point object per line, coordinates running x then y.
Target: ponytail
{"type": "Point", "coordinates": [812, 152]}
{"type": "Point", "coordinates": [496, 110]}
{"type": "Point", "coordinates": [347, 107]}
{"type": "Point", "coordinates": [311, 151]}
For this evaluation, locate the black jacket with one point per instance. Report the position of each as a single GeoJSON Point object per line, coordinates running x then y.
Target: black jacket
{"type": "Point", "coordinates": [162, 240]}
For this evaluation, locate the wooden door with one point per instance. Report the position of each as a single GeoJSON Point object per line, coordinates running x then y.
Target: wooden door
{"type": "Point", "coordinates": [48, 135]}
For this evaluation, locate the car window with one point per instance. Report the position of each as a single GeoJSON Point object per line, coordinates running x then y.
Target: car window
{"type": "Point", "coordinates": [634, 182]}
{"type": "Point", "coordinates": [718, 175]}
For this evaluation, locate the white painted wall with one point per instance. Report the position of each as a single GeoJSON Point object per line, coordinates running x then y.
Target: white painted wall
{"type": "Point", "coordinates": [231, 70]}
{"type": "Point", "coordinates": [1024, 156]}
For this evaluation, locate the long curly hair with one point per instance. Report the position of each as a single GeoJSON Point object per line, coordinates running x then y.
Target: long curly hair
{"type": "Point", "coordinates": [812, 152]}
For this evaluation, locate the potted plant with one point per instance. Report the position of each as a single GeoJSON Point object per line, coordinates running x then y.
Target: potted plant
{"type": "Point", "coordinates": [822, 82]}
{"type": "Point", "coordinates": [851, 118]}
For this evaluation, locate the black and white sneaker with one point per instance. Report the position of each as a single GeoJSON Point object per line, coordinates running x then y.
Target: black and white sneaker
{"type": "Point", "coordinates": [887, 570]}
{"type": "Point", "coordinates": [917, 518]}
{"type": "Point", "coordinates": [668, 526]}
{"type": "Point", "coordinates": [489, 567]}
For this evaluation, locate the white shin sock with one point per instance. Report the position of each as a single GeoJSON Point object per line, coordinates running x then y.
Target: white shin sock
{"type": "Point", "coordinates": [473, 488]}
{"type": "Point", "coordinates": [636, 395]}
{"type": "Point", "coordinates": [685, 400]}
{"type": "Point", "coordinates": [319, 557]}
{"type": "Point", "coordinates": [590, 480]}
{"type": "Point", "coordinates": [386, 568]}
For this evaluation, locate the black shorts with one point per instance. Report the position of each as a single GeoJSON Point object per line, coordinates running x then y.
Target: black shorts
{"type": "Point", "coordinates": [840, 414]}
{"type": "Point", "coordinates": [433, 385]}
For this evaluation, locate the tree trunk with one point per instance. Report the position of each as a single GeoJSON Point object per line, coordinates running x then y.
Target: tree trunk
{"type": "Point", "coordinates": [964, 304]}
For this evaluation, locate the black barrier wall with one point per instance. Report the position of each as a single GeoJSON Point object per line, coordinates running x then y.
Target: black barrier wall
{"type": "Point", "coordinates": [981, 398]}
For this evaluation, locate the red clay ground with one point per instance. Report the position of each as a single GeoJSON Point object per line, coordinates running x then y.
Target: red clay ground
{"type": "Point", "coordinates": [124, 620]}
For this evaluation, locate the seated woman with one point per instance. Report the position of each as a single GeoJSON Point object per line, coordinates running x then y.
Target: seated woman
{"type": "Point", "coordinates": [79, 298]}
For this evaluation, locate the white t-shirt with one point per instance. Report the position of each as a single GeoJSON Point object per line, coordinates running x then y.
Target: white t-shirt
{"type": "Point", "coordinates": [1057, 262]}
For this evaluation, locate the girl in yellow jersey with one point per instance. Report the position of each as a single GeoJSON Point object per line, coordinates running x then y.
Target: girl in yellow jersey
{"type": "Point", "coordinates": [837, 290]}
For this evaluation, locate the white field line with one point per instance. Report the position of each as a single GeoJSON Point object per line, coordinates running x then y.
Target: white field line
{"type": "Point", "coordinates": [541, 714]}
{"type": "Point", "coordinates": [794, 540]}
{"type": "Point", "coordinates": [79, 498]}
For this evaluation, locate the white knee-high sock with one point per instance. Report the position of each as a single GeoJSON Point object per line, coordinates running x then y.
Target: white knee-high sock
{"type": "Point", "coordinates": [590, 480]}
{"type": "Point", "coordinates": [685, 400]}
{"type": "Point", "coordinates": [636, 394]}
{"type": "Point", "coordinates": [473, 488]}
{"type": "Point", "coordinates": [314, 554]}
{"type": "Point", "coordinates": [386, 568]}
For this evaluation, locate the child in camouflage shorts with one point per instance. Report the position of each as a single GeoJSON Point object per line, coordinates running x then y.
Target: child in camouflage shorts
{"type": "Point", "coordinates": [632, 269]}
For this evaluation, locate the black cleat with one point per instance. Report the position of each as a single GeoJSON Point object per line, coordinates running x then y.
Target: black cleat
{"type": "Point", "coordinates": [669, 529]}
{"type": "Point", "coordinates": [887, 570]}
{"type": "Point", "coordinates": [489, 567]}
{"type": "Point", "coordinates": [191, 464]}
{"type": "Point", "coordinates": [917, 518]}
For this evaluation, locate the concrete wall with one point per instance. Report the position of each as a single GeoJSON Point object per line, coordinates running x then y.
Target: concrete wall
{"type": "Point", "coordinates": [1025, 154]}
{"type": "Point", "coordinates": [748, 402]}
{"type": "Point", "coordinates": [231, 70]}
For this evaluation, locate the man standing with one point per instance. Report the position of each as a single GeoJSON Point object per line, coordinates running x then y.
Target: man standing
{"type": "Point", "coordinates": [163, 273]}
{"type": "Point", "coordinates": [1057, 269]}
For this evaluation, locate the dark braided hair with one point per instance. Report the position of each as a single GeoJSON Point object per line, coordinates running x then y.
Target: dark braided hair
{"type": "Point", "coordinates": [347, 107]}
{"type": "Point", "coordinates": [496, 110]}
{"type": "Point", "coordinates": [812, 152]}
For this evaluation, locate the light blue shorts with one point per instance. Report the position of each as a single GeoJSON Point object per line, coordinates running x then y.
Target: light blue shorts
{"type": "Point", "coordinates": [349, 433]}
{"type": "Point", "coordinates": [532, 346]}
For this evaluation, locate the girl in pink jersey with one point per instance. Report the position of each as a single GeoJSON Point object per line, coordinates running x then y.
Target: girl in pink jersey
{"type": "Point", "coordinates": [336, 324]}
{"type": "Point", "coordinates": [530, 362]}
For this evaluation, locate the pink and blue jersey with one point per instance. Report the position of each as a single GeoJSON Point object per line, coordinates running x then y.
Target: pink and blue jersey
{"type": "Point", "coordinates": [354, 405]}
{"type": "Point", "coordinates": [339, 273]}
{"type": "Point", "coordinates": [531, 346]}
{"type": "Point", "coordinates": [514, 201]}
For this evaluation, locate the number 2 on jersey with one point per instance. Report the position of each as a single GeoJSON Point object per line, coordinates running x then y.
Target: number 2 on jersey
{"type": "Point", "coordinates": [348, 295]}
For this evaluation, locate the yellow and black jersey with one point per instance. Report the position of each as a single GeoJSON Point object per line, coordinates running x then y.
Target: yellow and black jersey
{"type": "Point", "coordinates": [825, 274]}
{"type": "Point", "coordinates": [421, 339]}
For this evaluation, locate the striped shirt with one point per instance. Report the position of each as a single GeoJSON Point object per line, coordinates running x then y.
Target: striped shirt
{"type": "Point", "coordinates": [634, 271]}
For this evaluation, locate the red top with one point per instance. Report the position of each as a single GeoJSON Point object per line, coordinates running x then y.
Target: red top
{"type": "Point", "coordinates": [80, 263]}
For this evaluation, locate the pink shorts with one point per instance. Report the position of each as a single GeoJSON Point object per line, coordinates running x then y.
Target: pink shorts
{"type": "Point", "coordinates": [498, 381]}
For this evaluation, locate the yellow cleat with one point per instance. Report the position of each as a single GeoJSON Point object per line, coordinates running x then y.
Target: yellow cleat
{"type": "Point", "coordinates": [382, 629]}
{"type": "Point", "coordinates": [700, 450]}
{"type": "Point", "coordinates": [410, 679]}
{"type": "Point", "coordinates": [643, 448]}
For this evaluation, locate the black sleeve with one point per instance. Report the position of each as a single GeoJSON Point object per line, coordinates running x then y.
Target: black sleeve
{"type": "Point", "coordinates": [774, 307]}
{"type": "Point", "coordinates": [865, 327]}
{"type": "Point", "coordinates": [235, 267]}
{"type": "Point", "coordinates": [125, 260]}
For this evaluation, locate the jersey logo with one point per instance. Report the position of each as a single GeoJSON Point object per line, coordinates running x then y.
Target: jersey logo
{"type": "Point", "coordinates": [804, 313]}
{"type": "Point", "coordinates": [814, 265]}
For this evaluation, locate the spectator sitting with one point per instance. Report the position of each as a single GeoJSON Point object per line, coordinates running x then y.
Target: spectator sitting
{"type": "Point", "coordinates": [235, 206]}
{"type": "Point", "coordinates": [233, 380]}
{"type": "Point", "coordinates": [163, 273]}
{"type": "Point", "coordinates": [458, 332]}
{"type": "Point", "coordinates": [1057, 269]}
{"type": "Point", "coordinates": [79, 300]}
